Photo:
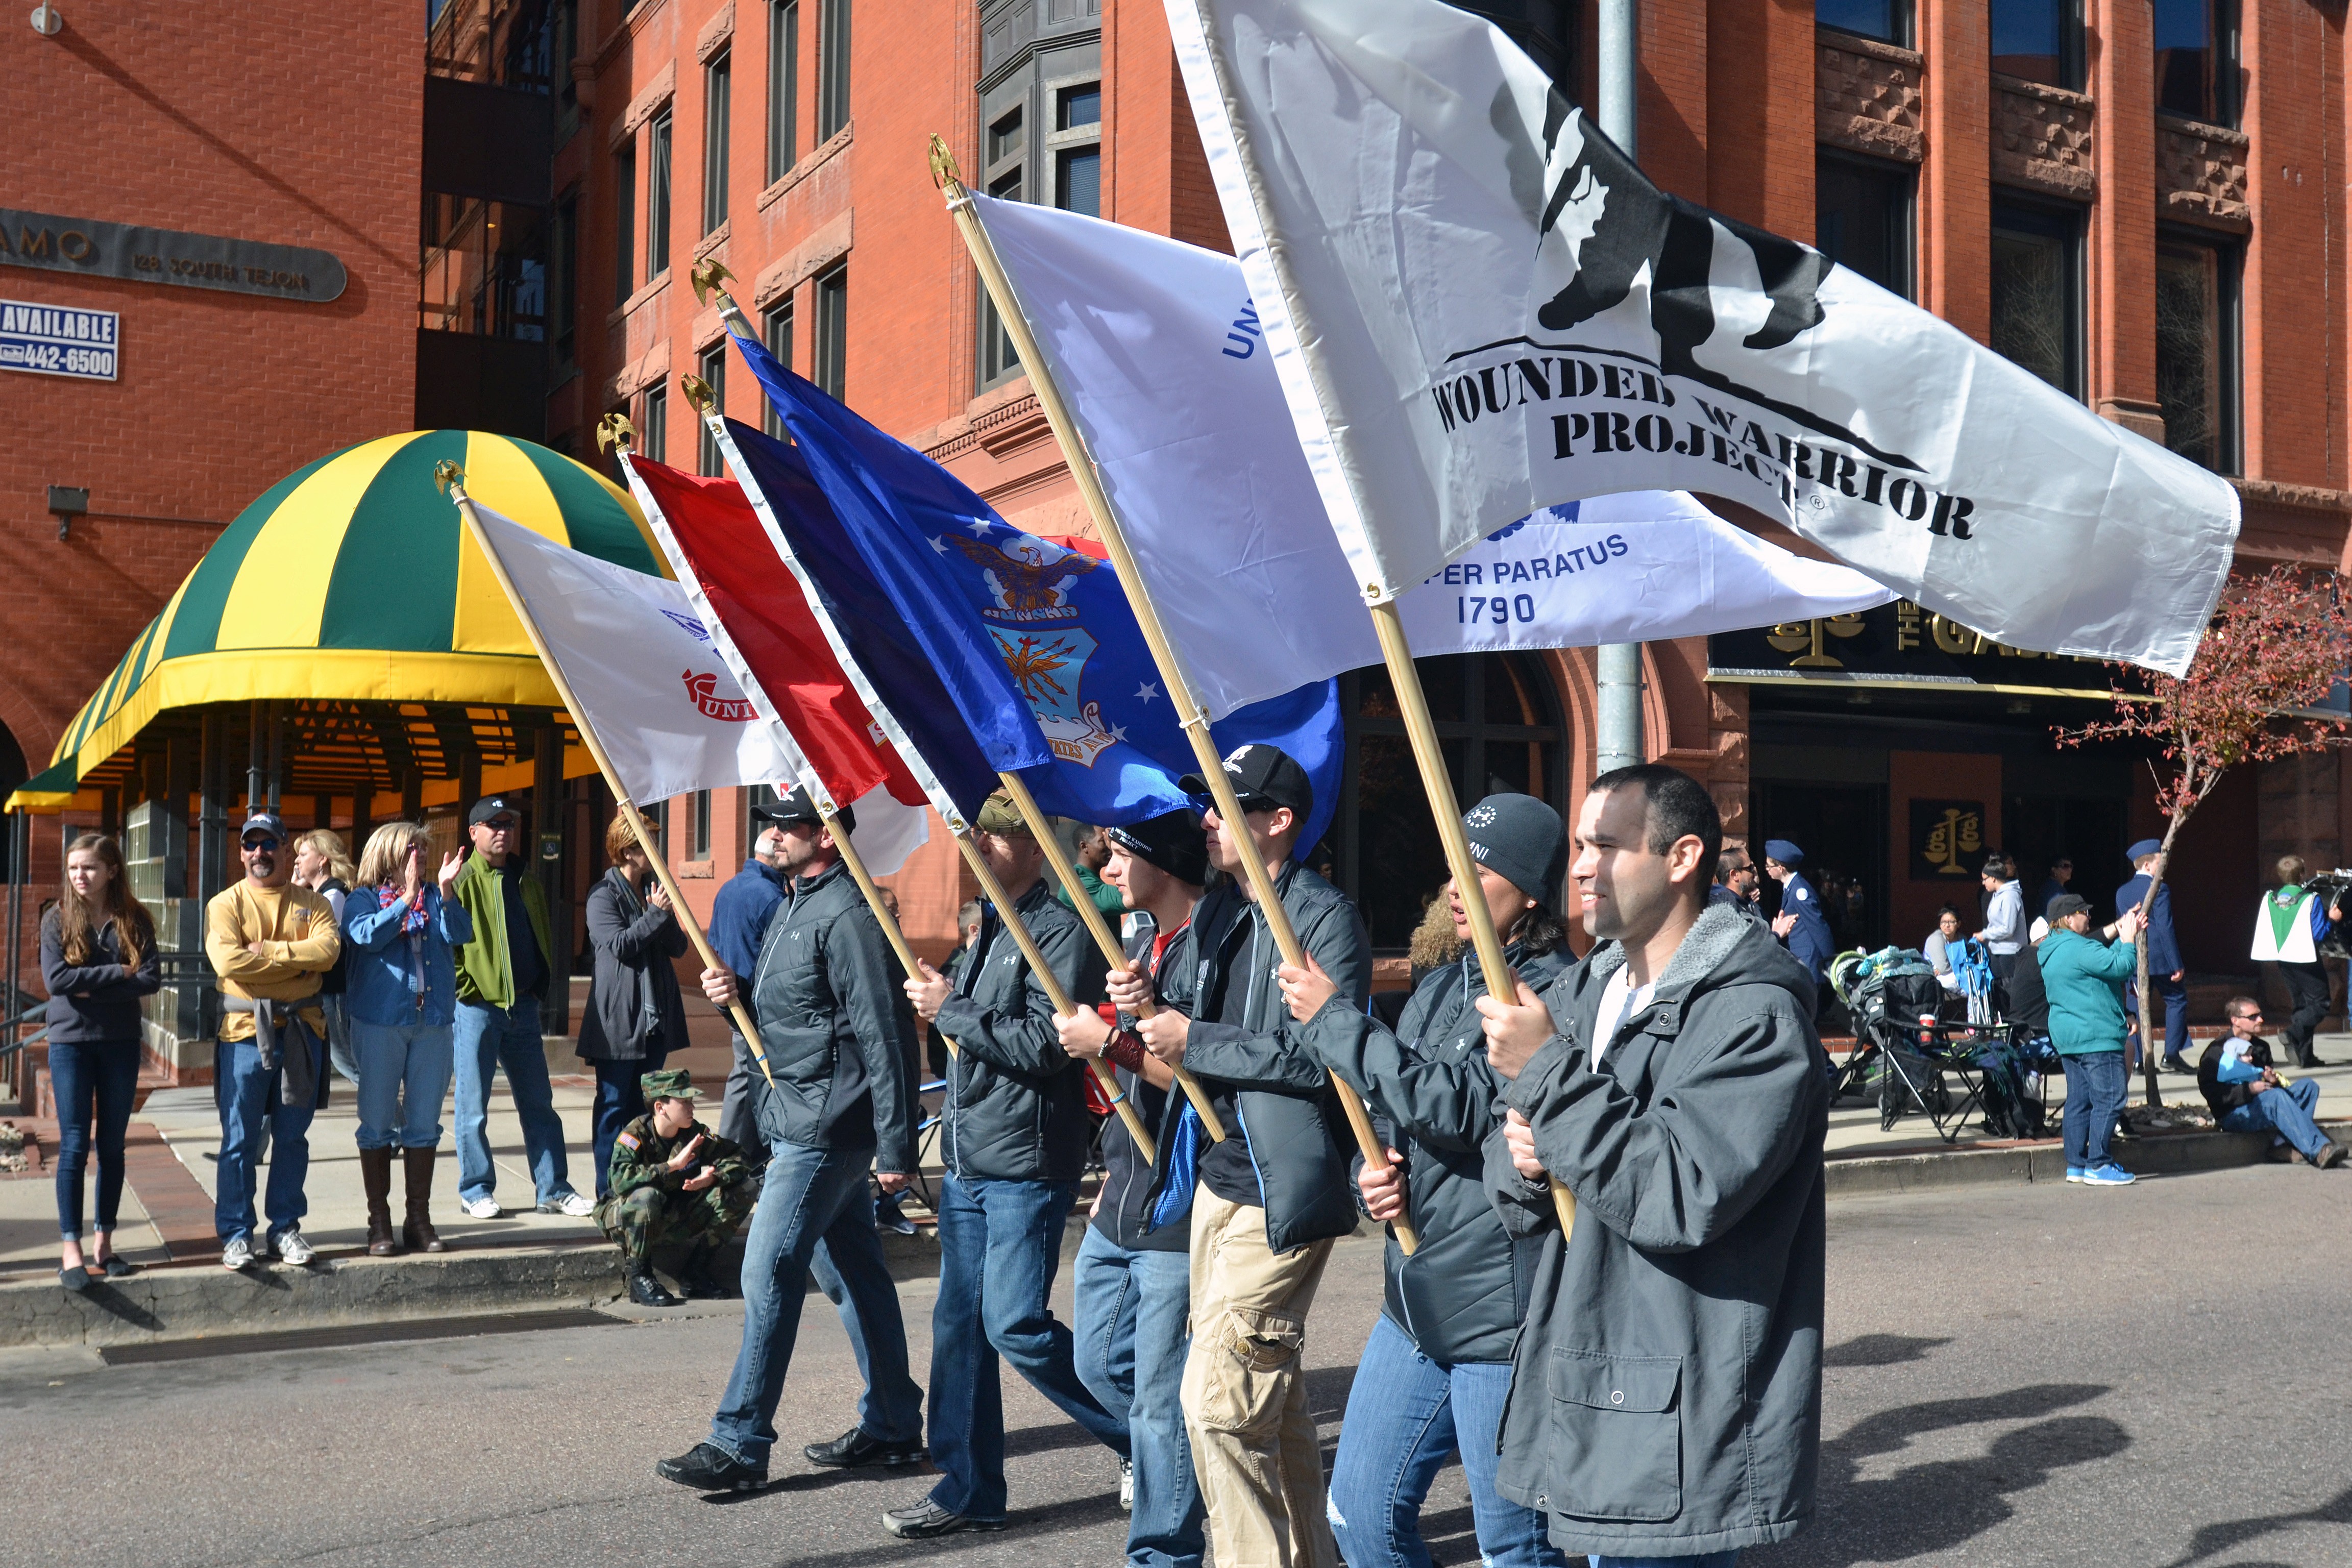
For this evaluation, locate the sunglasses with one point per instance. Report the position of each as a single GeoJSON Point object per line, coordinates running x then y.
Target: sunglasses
{"type": "Point", "coordinates": [500, 825]}
{"type": "Point", "coordinates": [261, 843]}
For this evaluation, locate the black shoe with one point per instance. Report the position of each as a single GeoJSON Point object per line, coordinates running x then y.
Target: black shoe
{"type": "Point", "coordinates": [2175, 1065]}
{"type": "Point", "coordinates": [706, 1467]}
{"type": "Point", "coordinates": [2329, 1157]}
{"type": "Point", "coordinates": [700, 1282]}
{"type": "Point", "coordinates": [927, 1519]}
{"type": "Point", "coordinates": [854, 1448]}
{"type": "Point", "coordinates": [75, 1280]}
{"type": "Point", "coordinates": [118, 1269]}
{"type": "Point", "coordinates": [646, 1291]}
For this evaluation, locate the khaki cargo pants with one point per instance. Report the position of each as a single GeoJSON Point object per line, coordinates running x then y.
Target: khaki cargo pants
{"type": "Point", "coordinates": [1245, 1392]}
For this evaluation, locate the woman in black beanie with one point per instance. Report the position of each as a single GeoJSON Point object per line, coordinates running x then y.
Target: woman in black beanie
{"type": "Point", "coordinates": [1434, 1373]}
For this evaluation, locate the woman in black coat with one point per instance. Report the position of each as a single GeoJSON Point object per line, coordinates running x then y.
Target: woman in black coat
{"type": "Point", "coordinates": [98, 963]}
{"type": "Point", "coordinates": [635, 1016]}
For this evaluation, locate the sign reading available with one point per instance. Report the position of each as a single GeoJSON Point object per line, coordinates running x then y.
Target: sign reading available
{"type": "Point", "coordinates": [52, 340]}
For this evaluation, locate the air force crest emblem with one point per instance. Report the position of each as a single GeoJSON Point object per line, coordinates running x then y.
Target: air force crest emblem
{"type": "Point", "coordinates": [1036, 630]}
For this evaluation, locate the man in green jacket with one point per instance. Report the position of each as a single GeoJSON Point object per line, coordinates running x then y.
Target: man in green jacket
{"type": "Point", "coordinates": [2084, 977]}
{"type": "Point", "coordinates": [501, 975]}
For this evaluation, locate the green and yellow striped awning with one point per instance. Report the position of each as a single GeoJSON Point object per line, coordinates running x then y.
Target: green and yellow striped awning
{"type": "Point", "coordinates": [352, 580]}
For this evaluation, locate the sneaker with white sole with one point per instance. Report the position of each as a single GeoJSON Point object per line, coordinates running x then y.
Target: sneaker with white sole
{"type": "Point", "coordinates": [2074, 1173]}
{"type": "Point", "coordinates": [295, 1247]}
{"type": "Point", "coordinates": [480, 1208]}
{"type": "Point", "coordinates": [237, 1254]}
{"type": "Point", "coordinates": [579, 1206]}
{"type": "Point", "coordinates": [2108, 1175]}
{"type": "Point", "coordinates": [1127, 1485]}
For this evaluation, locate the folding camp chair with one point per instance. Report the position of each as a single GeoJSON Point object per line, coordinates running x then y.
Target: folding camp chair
{"type": "Point", "coordinates": [1918, 1058]}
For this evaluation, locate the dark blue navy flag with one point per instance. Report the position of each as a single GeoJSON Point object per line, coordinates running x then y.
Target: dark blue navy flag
{"type": "Point", "coordinates": [1035, 643]}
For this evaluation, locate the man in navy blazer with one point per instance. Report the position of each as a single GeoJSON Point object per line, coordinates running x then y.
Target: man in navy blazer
{"type": "Point", "coordinates": [2164, 970]}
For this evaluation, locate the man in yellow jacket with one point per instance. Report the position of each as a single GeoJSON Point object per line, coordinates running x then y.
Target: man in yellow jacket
{"type": "Point", "coordinates": [272, 941]}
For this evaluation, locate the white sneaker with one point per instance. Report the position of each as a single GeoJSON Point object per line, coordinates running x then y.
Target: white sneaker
{"type": "Point", "coordinates": [481, 1208]}
{"type": "Point", "coordinates": [579, 1206]}
{"type": "Point", "coordinates": [237, 1254]}
{"type": "Point", "coordinates": [295, 1248]}
{"type": "Point", "coordinates": [1127, 1485]}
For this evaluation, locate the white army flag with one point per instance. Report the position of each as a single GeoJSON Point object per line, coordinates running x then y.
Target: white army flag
{"type": "Point", "coordinates": [1478, 307]}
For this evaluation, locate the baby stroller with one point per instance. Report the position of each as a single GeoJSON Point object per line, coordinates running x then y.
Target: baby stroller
{"type": "Point", "coordinates": [1888, 993]}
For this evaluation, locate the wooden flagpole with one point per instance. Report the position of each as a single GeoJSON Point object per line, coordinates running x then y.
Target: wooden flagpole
{"type": "Point", "coordinates": [1189, 715]}
{"type": "Point", "coordinates": [452, 478]}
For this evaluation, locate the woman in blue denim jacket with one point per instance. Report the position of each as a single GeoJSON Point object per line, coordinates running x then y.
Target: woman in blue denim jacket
{"type": "Point", "coordinates": [401, 994]}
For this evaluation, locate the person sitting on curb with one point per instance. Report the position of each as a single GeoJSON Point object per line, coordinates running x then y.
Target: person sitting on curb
{"type": "Point", "coordinates": [674, 1179]}
{"type": "Point", "coordinates": [2237, 1082]}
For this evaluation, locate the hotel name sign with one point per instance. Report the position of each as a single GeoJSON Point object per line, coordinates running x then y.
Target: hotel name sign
{"type": "Point", "coordinates": [47, 243]}
{"type": "Point", "coordinates": [1896, 643]}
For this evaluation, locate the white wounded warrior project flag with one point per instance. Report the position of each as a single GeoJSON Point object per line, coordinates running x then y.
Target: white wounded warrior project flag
{"type": "Point", "coordinates": [1479, 307]}
{"type": "Point", "coordinates": [670, 716]}
{"type": "Point", "coordinates": [1168, 376]}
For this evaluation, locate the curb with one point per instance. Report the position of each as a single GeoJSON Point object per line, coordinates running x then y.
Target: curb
{"type": "Point", "coordinates": [2165, 1154]}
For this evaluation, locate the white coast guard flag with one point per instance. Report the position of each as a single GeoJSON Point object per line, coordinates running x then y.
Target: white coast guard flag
{"type": "Point", "coordinates": [1478, 307]}
{"type": "Point", "coordinates": [670, 713]}
{"type": "Point", "coordinates": [1169, 378]}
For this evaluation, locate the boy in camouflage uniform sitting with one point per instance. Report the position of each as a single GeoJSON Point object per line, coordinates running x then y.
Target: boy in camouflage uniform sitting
{"type": "Point", "coordinates": [674, 1180]}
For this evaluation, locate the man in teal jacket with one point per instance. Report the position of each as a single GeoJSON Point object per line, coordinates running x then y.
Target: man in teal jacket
{"type": "Point", "coordinates": [2084, 977]}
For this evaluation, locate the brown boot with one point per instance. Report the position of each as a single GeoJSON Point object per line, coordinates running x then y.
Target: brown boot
{"type": "Point", "coordinates": [418, 1231]}
{"type": "Point", "coordinates": [375, 1173]}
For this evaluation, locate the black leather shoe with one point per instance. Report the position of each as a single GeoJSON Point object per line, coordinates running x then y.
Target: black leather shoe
{"type": "Point", "coordinates": [646, 1291]}
{"type": "Point", "coordinates": [706, 1467]}
{"type": "Point", "coordinates": [2175, 1065]}
{"type": "Point", "coordinates": [927, 1519]}
{"type": "Point", "coordinates": [854, 1448]}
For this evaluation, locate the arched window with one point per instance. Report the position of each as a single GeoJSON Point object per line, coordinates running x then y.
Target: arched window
{"type": "Point", "coordinates": [1498, 717]}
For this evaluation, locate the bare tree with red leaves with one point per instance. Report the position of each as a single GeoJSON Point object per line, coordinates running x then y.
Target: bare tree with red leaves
{"type": "Point", "coordinates": [2279, 643]}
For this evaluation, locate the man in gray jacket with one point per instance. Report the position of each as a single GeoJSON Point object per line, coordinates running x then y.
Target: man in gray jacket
{"type": "Point", "coordinates": [1666, 1391]}
{"type": "Point", "coordinates": [841, 1044]}
{"type": "Point", "coordinates": [1274, 1195]}
{"type": "Point", "coordinates": [1014, 1133]}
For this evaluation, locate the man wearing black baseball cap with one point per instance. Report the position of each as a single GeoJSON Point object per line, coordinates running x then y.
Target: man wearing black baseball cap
{"type": "Point", "coordinates": [1133, 1274]}
{"type": "Point", "coordinates": [1273, 1195]}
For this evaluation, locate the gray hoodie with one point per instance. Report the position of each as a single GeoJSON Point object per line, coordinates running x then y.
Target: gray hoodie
{"type": "Point", "coordinates": [1665, 1396]}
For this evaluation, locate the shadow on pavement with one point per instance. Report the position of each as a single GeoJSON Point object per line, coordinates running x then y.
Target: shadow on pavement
{"type": "Point", "coordinates": [2213, 1539]}
{"type": "Point", "coordinates": [1880, 1350]}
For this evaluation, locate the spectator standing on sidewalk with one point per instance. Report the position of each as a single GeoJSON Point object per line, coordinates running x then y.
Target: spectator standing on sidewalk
{"type": "Point", "coordinates": [501, 975]}
{"type": "Point", "coordinates": [2061, 872]}
{"type": "Point", "coordinates": [399, 926]}
{"type": "Point", "coordinates": [1736, 883]}
{"type": "Point", "coordinates": [1801, 924]}
{"type": "Point", "coordinates": [269, 941]}
{"type": "Point", "coordinates": [322, 863]}
{"type": "Point", "coordinates": [2005, 918]}
{"type": "Point", "coordinates": [2167, 975]}
{"type": "Point", "coordinates": [738, 920]}
{"type": "Point", "coordinates": [1089, 852]}
{"type": "Point", "coordinates": [2085, 978]}
{"type": "Point", "coordinates": [2243, 1090]}
{"type": "Point", "coordinates": [635, 1016]}
{"type": "Point", "coordinates": [2288, 929]}
{"type": "Point", "coordinates": [98, 964]}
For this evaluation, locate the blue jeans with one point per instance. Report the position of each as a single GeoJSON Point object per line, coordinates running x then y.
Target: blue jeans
{"type": "Point", "coordinates": [620, 1100]}
{"type": "Point", "coordinates": [2286, 1112]}
{"type": "Point", "coordinates": [95, 1082]}
{"type": "Point", "coordinates": [1000, 1243]}
{"type": "Point", "coordinates": [1133, 1313]}
{"type": "Point", "coordinates": [488, 1038]}
{"type": "Point", "coordinates": [2094, 1093]}
{"type": "Point", "coordinates": [1711, 1560]}
{"type": "Point", "coordinates": [249, 1102]}
{"type": "Point", "coordinates": [1407, 1415]}
{"type": "Point", "coordinates": [813, 1211]}
{"type": "Point", "coordinates": [404, 1073]}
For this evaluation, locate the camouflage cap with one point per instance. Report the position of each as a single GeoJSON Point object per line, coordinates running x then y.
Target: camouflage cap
{"type": "Point", "coordinates": [670, 1083]}
{"type": "Point", "coordinates": [998, 815]}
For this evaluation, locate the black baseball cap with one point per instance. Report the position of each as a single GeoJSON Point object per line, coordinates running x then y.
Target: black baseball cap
{"type": "Point", "coordinates": [799, 808]}
{"type": "Point", "coordinates": [1265, 777]}
{"type": "Point", "coordinates": [2067, 904]}
{"type": "Point", "coordinates": [1174, 841]}
{"type": "Point", "coordinates": [491, 805]}
{"type": "Point", "coordinates": [268, 822]}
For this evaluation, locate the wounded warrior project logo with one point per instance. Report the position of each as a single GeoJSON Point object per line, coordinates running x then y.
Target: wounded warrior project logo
{"type": "Point", "coordinates": [703, 689]}
{"type": "Point", "coordinates": [1030, 615]}
{"type": "Point", "coordinates": [1705, 278]}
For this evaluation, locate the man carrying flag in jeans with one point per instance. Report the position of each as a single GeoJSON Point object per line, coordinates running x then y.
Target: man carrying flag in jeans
{"type": "Point", "coordinates": [1274, 1195]}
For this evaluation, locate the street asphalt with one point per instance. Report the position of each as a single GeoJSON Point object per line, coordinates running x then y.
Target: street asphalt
{"type": "Point", "coordinates": [2017, 1376]}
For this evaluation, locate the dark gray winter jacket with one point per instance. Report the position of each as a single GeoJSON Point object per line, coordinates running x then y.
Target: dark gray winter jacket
{"type": "Point", "coordinates": [1016, 1108]}
{"type": "Point", "coordinates": [839, 1034]}
{"type": "Point", "coordinates": [1464, 1292]}
{"type": "Point", "coordinates": [1665, 1396]}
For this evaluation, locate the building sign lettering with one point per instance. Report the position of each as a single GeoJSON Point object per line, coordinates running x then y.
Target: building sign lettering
{"type": "Point", "coordinates": [53, 340]}
{"type": "Point", "coordinates": [1899, 644]}
{"type": "Point", "coordinates": [90, 249]}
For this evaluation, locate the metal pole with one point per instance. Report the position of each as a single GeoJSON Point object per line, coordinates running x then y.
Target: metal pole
{"type": "Point", "coordinates": [1619, 739]}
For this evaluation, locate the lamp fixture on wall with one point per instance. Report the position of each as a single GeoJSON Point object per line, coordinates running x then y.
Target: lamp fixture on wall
{"type": "Point", "coordinates": [68, 502]}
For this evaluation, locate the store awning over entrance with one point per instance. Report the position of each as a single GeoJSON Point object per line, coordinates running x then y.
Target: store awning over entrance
{"type": "Point", "coordinates": [348, 593]}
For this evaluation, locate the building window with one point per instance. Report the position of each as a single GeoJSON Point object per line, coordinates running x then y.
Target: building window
{"type": "Point", "coordinates": [2197, 349]}
{"type": "Point", "coordinates": [2196, 59]}
{"type": "Point", "coordinates": [1076, 146]}
{"type": "Point", "coordinates": [783, 86]}
{"type": "Point", "coordinates": [658, 150]}
{"type": "Point", "coordinates": [1498, 722]}
{"type": "Point", "coordinates": [1889, 21]}
{"type": "Point", "coordinates": [712, 366]}
{"type": "Point", "coordinates": [2039, 40]}
{"type": "Point", "coordinates": [563, 280]}
{"type": "Point", "coordinates": [830, 361]}
{"type": "Point", "coordinates": [2037, 289]}
{"type": "Point", "coordinates": [697, 825]}
{"type": "Point", "coordinates": [624, 194]}
{"type": "Point", "coordinates": [717, 95]}
{"type": "Point", "coordinates": [833, 68]}
{"type": "Point", "coordinates": [1041, 119]}
{"type": "Point", "coordinates": [1862, 219]}
{"type": "Point", "coordinates": [776, 332]}
{"type": "Point", "coordinates": [653, 434]}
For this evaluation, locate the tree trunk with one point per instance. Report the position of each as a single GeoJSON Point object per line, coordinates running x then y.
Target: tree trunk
{"type": "Point", "coordinates": [2149, 1051]}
